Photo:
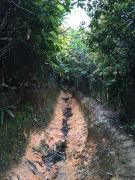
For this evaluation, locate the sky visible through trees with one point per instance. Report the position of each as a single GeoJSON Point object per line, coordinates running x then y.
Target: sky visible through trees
{"type": "Point", "coordinates": [41, 39]}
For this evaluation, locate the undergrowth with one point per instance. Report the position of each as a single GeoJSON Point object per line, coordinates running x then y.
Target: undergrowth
{"type": "Point", "coordinates": [14, 134]}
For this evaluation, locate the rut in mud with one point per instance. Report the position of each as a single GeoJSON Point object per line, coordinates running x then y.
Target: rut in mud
{"type": "Point", "coordinates": [71, 149]}
{"type": "Point", "coordinates": [60, 151]}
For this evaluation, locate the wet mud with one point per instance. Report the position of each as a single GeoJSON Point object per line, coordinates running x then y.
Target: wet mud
{"type": "Point", "coordinates": [58, 152]}
{"type": "Point", "coordinates": [78, 144]}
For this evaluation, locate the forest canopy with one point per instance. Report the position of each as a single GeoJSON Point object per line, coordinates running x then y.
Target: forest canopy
{"type": "Point", "coordinates": [99, 60]}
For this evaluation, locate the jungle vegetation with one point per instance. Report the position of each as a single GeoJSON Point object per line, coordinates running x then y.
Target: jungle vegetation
{"type": "Point", "coordinates": [99, 60]}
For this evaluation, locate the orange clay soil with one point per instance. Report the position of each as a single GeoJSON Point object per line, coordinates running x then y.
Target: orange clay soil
{"type": "Point", "coordinates": [33, 166]}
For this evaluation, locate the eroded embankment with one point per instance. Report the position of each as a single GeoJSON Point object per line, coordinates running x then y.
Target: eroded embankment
{"type": "Point", "coordinates": [60, 151]}
{"type": "Point", "coordinates": [115, 151]}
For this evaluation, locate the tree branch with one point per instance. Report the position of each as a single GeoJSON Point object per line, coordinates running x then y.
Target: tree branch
{"type": "Point", "coordinates": [11, 1]}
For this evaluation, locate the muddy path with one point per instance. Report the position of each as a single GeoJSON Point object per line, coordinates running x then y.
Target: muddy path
{"type": "Point", "coordinates": [80, 143]}
{"type": "Point", "coordinates": [58, 152]}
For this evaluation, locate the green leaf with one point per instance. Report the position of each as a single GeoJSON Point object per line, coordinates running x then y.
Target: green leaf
{"type": "Point", "coordinates": [130, 23]}
{"type": "Point", "coordinates": [9, 112]}
{"type": "Point", "coordinates": [2, 116]}
{"type": "Point", "coordinates": [28, 34]}
{"type": "Point", "coordinates": [74, 3]}
{"type": "Point", "coordinates": [81, 5]}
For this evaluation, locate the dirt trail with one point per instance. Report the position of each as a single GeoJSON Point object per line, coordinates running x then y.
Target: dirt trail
{"type": "Point", "coordinates": [60, 151]}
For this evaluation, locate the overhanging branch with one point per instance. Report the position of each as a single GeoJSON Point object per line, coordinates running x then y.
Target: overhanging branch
{"type": "Point", "coordinates": [11, 1]}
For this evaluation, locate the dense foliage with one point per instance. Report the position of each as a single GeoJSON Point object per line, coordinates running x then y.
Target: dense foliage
{"type": "Point", "coordinates": [101, 60]}
{"type": "Point", "coordinates": [28, 36]}
{"type": "Point", "coordinates": [73, 61]}
{"type": "Point", "coordinates": [28, 45]}
{"type": "Point", "coordinates": [111, 42]}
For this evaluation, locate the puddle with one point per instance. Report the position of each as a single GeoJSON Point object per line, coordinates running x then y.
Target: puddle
{"type": "Point", "coordinates": [55, 156]}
